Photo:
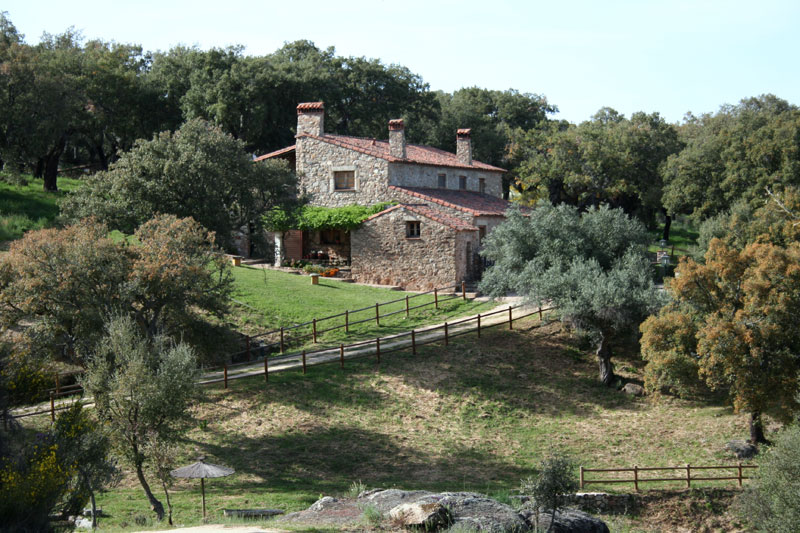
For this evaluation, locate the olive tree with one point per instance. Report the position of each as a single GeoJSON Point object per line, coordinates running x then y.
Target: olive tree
{"type": "Point", "coordinates": [142, 388]}
{"type": "Point", "coordinates": [591, 266]}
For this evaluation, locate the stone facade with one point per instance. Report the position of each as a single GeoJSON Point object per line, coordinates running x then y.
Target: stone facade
{"type": "Point", "coordinates": [417, 175]}
{"type": "Point", "coordinates": [382, 252]}
{"type": "Point", "coordinates": [316, 163]}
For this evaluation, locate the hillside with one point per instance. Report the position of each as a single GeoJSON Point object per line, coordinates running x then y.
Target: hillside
{"type": "Point", "coordinates": [476, 415]}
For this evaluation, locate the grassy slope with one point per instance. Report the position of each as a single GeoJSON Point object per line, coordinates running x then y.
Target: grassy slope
{"type": "Point", "coordinates": [477, 415]}
{"type": "Point", "coordinates": [268, 299]}
{"type": "Point", "coordinates": [28, 207]}
{"type": "Point", "coordinates": [681, 235]}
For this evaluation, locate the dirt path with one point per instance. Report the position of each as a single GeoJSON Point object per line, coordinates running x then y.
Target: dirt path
{"type": "Point", "coordinates": [218, 528]}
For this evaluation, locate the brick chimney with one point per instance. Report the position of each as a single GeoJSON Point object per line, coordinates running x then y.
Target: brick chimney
{"type": "Point", "coordinates": [311, 118]}
{"type": "Point", "coordinates": [397, 138]}
{"type": "Point", "coordinates": [464, 146]}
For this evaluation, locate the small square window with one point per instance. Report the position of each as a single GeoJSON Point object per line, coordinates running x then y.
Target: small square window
{"type": "Point", "coordinates": [442, 181]}
{"type": "Point", "coordinates": [481, 233]}
{"type": "Point", "coordinates": [344, 180]}
{"type": "Point", "coordinates": [412, 230]}
{"type": "Point", "coordinates": [462, 183]}
{"type": "Point", "coordinates": [482, 185]}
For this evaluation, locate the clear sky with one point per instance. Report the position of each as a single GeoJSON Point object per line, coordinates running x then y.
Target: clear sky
{"type": "Point", "coordinates": [632, 55]}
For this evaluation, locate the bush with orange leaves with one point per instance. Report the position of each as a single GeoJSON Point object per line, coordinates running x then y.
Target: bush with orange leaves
{"type": "Point", "coordinates": [61, 285]}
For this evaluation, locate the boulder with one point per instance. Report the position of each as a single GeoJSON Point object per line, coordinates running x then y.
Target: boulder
{"type": "Point", "coordinates": [633, 389]}
{"type": "Point", "coordinates": [742, 449]}
{"type": "Point", "coordinates": [569, 521]}
{"type": "Point", "coordinates": [387, 499]}
{"type": "Point", "coordinates": [479, 512]}
{"type": "Point", "coordinates": [426, 516]}
{"type": "Point", "coordinates": [323, 503]}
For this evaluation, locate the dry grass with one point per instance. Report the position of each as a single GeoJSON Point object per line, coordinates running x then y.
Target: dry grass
{"type": "Point", "coordinates": [477, 415]}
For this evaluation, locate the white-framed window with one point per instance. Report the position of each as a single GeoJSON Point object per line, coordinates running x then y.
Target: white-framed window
{"type": "Point", "coordinates": [413, 229]}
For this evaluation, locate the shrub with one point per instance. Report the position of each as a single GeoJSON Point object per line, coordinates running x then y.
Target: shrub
{"type": "Point", "coordinates": [554, 480]}
{"type": "Point", "coordinates": [772, 505]}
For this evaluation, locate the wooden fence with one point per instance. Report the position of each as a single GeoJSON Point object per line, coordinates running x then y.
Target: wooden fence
{"type": "Point", "coordinates": [685, 478]}
{"type": "Point", "coordinates": [377, 348]}
{"type": "Point", "coordinates": [253, 345]}
{"type": "Point", "coordinates": [374, 347]}
{"type": "Point", "coordinates": [290, 335]}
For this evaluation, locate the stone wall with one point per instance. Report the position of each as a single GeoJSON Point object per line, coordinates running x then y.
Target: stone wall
{"type": "Point", "coordinates": [414, 175]}
{"type": "Point", "coordinates": [381, 252]}
{"type": "Point", "coordinates": [316, 163]}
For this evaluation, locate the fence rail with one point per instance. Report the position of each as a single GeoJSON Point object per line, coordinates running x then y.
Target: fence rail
{"type": "Point", "coordinates": [687, 478]}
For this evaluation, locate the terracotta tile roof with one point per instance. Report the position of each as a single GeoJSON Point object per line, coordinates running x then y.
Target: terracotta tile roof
{"type": "Point", "coordinates": [463, 132]}
{"type": "Point", "coordinates": [276, 153]}
{"type": "Point", "coordinates": [471, 202]}
{"type": "Point", "coordinates": [431, 213]}
{"type": "Point", "coordinates": [311, 106]}
{"type": "Point", "coordinates": [415, 153]}
{"type": "Point", "coordinates": [396, 124]}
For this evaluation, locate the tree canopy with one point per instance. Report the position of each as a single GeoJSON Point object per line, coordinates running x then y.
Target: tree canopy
{"type": "Point", "coordinates": [732, 323]}
{"type": "Point", "coordinates": [592, 267]}
{"type": "Point", "coordinates": [67, 282]}
{"type": "Point", "coordinates": [198, 171]}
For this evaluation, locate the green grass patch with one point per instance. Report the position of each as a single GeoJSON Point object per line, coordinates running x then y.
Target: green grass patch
{"type": "Point", "coordinates": [477, 415]}
{"type": "Point", "coordinates": [29, 207]}
{"type": "Point", "coordinates": [682, 235]}
{"type": "Point", "coordinates": [269, 299]}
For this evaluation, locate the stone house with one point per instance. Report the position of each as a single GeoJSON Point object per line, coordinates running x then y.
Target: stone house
{"type": "Point", "coordinates": [445, 204]}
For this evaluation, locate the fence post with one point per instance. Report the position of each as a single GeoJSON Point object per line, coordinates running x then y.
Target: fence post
{"type": "Point", "coordinates": [283, 348]}
{"type": "Point", "coordinates": [740, 474]}
{"type": "Point", "coordinates": [510, 319]}
{"type": "Point", "coordinates": [52, 406]}
{"type": "Point", "coordinates": [225, 374]}
{"type": "Point", "coordinates": [688, 476]}
{"type": "Point", "coordinates": [304, 361]}
{"type": "Point", "coordinates": [540, 313]}
{"type": "Point", "coordinates": [581, 468]}
{"type": "Point", "coordinates": [378, 348]}
{"type": "Point", "coordinates": [413, 342]}
{"type": "Point", "coordinates": [58, 386]}
{"type": "Point", "coordinates": [314, 326]}
{"type": "Point", "coordinates": [464, 290]}
{"type": "Point", "coordinates": [479, 325]}
{"type": "Point", "coordinates": [341, 355]}
{"type": "Point", "coordinates": [247, 341]}
{"type": "Point", "coordinates": [347, 321]}
{"type": "Point", "coordinates": [266, 369]}
{"type": "Point", "coordinates": [446, 340]}
{"type": "Point", "coordinates": [436, 298]}
{"type": "Point", "coordinates": [636, 478]}
{"type": "Point", "coordinates": [377, 315]}
{"type": "Point", "coordinates": [406, 305]}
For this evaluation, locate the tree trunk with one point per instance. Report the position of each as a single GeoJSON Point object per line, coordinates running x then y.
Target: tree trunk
{"type": "Point", "coordinates": [169, 504]}
{"type": "Point", "coordinates": [51, 165]}
{"type": "Point", "coordinates": [38, 170]}
{"type": "Point", "coordinates": [604, 360]}
{"type": "Point", "coordinates": [757, 429]}
{"type": "Point", "coordinates": [667, 224]}
{"type": "Point", "coordinates": [156, 505]}
{"type": "Point", "coordinates": [94, 510]}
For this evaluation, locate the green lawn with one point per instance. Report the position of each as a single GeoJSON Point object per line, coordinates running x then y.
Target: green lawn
{"type": "Point", "coordinates": [268, 299]}
{"type": "Point", "coordinates": [682, 235]}
{"type": "Point", "coordinates": [477, 415]}
{"type": "Point", "coordinates": [27, 207]}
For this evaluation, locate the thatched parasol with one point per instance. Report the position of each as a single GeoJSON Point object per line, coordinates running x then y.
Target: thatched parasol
{"type": "Point", "coordinates": [202, 470]}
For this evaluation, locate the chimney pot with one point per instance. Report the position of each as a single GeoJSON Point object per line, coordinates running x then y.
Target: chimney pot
{"type": "Point", "coordinates": [397, 138]}
{"type": "Point", "coordinates": [311, 118]}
